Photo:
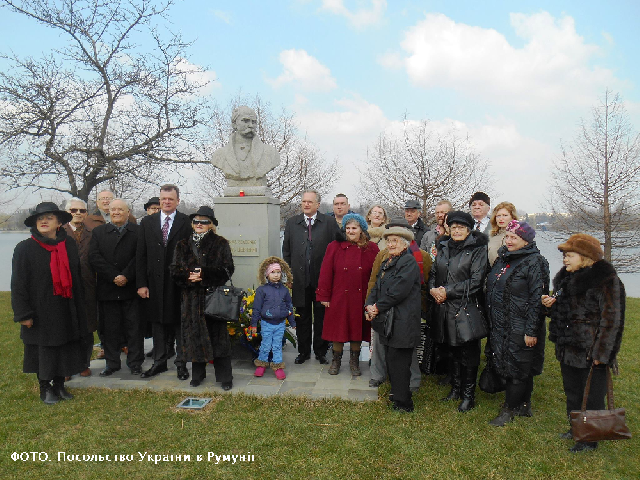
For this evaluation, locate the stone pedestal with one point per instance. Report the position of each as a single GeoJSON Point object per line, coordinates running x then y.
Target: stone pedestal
{"type": "Point", "coordinates": [252, 226]}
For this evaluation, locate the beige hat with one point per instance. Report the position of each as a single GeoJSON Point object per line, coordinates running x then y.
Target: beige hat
{"type": "Point", "coordinates": [398, 227]}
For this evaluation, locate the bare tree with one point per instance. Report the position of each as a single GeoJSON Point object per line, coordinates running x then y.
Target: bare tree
{"type": "Point", "coordinates": [302, 166]}
{"type": "Point", "coordinates": [424, 165]}
{"type": "Point", "coordinates": [102, 110]}
{"type": "Point", "coordinates": [596, 183]}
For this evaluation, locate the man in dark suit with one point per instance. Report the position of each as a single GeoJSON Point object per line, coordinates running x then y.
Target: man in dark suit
{"type": "Point", "coordinates": [306, 237]}
{"type": "Point", "coordinates": [159, 234]}
{"type": "Point", "coordinates": [112, 254]}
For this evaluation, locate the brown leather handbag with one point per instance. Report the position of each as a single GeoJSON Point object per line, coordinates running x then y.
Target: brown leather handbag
{"type": "Point", "coordinates": [596, 425]}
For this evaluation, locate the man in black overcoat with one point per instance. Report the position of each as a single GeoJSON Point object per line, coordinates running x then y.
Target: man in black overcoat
{"type": "Point", "coordinates": [306, 237]}
{"type": "Point", "coordinates": [112, 254]}
{"type": "Point", "coordinates": [157, 239]}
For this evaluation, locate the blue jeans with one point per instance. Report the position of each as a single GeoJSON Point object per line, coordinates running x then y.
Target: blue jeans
{"type": "Point", "coordinates": [272, 336]}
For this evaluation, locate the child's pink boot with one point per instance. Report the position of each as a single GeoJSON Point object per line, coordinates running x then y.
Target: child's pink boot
{"type": "Point", "coordinates": [280, 375]}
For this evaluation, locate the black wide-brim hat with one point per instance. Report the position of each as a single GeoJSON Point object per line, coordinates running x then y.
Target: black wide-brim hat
{"type": "Point", "coordinates": [47, 207]}
{"type": "Point", "coordinates": [205, 211]}
{"type": "Point", "coordinates": [152, 201]}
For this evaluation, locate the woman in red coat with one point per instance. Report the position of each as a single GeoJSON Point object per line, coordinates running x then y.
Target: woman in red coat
{"type": "Point", "coordinates": [342, 289]}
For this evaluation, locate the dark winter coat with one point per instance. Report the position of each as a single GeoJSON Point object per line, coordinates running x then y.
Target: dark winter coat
{"type": "Point", "coordinates": [419, 229]}
{"type": "Point", "coordinates": [152, 267]}
{"type": "Point", "coordinates": [112, 254]}
{"type": "Point", "coordinates": [56, 320]}
{"type": "Point", "coordinates": [214, 255]}
{"type": "Point", "coordinates": [587, 318]}
{"type": "Point", "coordinates": [515, 286]}
{"type": "Point", "coordinates": [88, 275]}
{"type": "Point", "coordinates": [343, 281]}
{"type": "Point", "coordinates": [296, 249]}
{"type": "Point", "coordinates": [398, 286]}
{"type": "Point", "coordinates": [459, 271]}
{"type": "Point", "coordinates": [272, 303]}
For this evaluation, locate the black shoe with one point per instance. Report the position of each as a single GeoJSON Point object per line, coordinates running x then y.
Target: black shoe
{"type": "Point", "coordinates": [183, 373]}
{"type": "Point", "coordinates": [108, 371]}
{"type": "Point", "coordinates": [322, 359]}
{"type": "Point", "coordinates": [524, 410]}
{"type": "Point", "coordinates": [568, 435]}
{"type": "Point", "coordinates": [195, 383]}
{"type": "Point", "coordinates": [300, 359]}
{"type": "Point", "coordinates": [402, 408]}
{"type": "Point", "coordinates": [373, 383]}
{"type": "Point", "coordinates": [154, 370]}
{"type": "Point", "coordinates": [61, 392]}
{"type": "Point", "coordinates": [226, 386]}
{"type": "Point", "coordinates": [50, 398]}
{"type": "Point", "coordinates": [136, 370]}
{"type": "Point", "coordinates": [583, 447]}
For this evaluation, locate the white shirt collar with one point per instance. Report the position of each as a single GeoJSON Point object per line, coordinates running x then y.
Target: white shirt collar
{"type": "Point", "coordinates": [163, 216]}
{"type": "Point", "coordinates": [313, 218]}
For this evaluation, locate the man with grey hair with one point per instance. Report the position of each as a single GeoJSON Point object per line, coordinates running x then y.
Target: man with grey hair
{"type": "Point", "coordinates": [81, 233]}
{"type": "Point", "coordinates": [306, 237]}
{"type": "Point", "coordinates": [113, 256]}
{"type": "Point", "coordinates": [428, 242]}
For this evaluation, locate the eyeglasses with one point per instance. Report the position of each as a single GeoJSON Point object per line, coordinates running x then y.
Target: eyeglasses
{"type": "Point", "coordinates": [201, 222]}
{"type": "Point", "coordinates": [76, 210]}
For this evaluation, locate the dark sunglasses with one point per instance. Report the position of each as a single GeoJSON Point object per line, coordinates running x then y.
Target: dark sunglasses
{"type": "Point", "coordinates": [76, 210]}
{"type": "Point", "coordinates": [201, 222]}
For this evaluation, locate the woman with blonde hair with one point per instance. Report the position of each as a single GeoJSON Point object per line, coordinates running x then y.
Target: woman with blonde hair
{"type": "Point", "coordinates": [500, 218]}
{"type": "Point", "coordinates": [377, 219]}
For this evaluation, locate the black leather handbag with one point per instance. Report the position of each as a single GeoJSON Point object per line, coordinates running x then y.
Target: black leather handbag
{"type": "Point", "coordinates": [470, 323]}
{"type": "Point", "coordinates": [383, 323]}
{"type": "Point", "coordinates": [223, 303]}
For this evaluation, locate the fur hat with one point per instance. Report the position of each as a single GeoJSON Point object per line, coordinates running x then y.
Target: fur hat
{"type": "Point", "coordinates": [480, 196]}
{"type": "Point", "coordinates": [522, 229]}
{"type": "Point", "coordinates": [287, 276]}
{"type": "Point", "coordinates": [399, 227]}
{"type": "Point", "coordinates": [583, 244]}
{"type": "Point", "coordinates": [358, 218]}
{"type": "Point", "coordinates": [47, 207]}
{"type": "Point", "coordinates": [461, 218]}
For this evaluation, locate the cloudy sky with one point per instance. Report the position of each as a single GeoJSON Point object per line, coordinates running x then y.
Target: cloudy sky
{"type": "Point", "coordinates": [517, 77]}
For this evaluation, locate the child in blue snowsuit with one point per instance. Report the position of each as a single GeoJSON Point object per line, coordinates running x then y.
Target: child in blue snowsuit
{"type": "Point", "coordinates": [272, 305]}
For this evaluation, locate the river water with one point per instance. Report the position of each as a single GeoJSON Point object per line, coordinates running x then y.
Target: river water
{"type": "Point", "coordinates": [546, 241]}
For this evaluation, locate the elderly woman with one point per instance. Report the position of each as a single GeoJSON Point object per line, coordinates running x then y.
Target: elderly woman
{"type": "Point", "coordinates": [397, 293]}
{"type": "Point", "coordinates": [202, 261]}
{"type": "Point", "coordinates": [342, 289]}
{"type": "Point", "coordinates": [47, 300]}
{"type": "Point", "coordinates": [456, 281]}
{"type": "Point", "coordinates": [500, 218]}
{"type": "Point", "coordinates": [518, 279]}
{"type": "Point", "coordinates": [377, 219]}
{"type": "Point", "coordinates": [587, 321]}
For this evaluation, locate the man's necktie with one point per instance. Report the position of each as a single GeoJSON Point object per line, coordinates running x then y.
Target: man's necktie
{"type": "Point", "coordinates": [309, 228]}
{"type": "Point", "coordinates": [165, 231]}
{"type": "Point", "coordinates": [478, 225]}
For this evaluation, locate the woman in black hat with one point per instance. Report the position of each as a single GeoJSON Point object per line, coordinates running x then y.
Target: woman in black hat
{"type": "Point", "coordinates": [201, 261]}
{"type": "Point", "coordinates": [455, 283]}
{"type": "Point", "coordinates": [47, 300]}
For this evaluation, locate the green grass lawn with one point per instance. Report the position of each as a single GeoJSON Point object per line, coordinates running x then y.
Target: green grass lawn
{"type": "Point", "coordinates": [297, 438]}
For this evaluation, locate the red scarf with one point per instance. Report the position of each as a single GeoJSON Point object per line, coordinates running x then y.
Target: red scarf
{"type": "Point", "coordinates": [60, 271]}
{"type": "Point", "coordinates": [415, 251]}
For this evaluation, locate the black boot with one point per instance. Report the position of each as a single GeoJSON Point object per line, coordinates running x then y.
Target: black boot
{"type": "Point", "coordinates": [334, 368]}
{"type": "Point", "coordinates": [46, 392]}
{"type": "Point", "coordinates": [469, 375]}
{"type": "Point", "coordinates": [454, 394]}
{"type": "Point", "coordinates": [354, 362]}
{"type": "Point", "coordinates": [505, 416]}
{"type": "Point", "coordinates": [59, 390]}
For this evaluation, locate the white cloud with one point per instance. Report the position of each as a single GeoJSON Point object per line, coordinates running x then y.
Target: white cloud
{"type": "Point", "coordinates": [194, 73]}
{"type": "Point", "coordinates": [361, 17]}
{"type": "Point", "coordinates": [221, 15]}
{"type": "Point", "coordinates": [303, 71]}
{"type": "Point", "coordinates": [552, 66]}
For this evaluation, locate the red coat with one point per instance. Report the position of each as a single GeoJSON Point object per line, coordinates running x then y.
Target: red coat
{"type": "Point", "coordinates": [344, 276]}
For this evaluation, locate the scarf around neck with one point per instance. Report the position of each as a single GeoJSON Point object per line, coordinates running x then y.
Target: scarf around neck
{"type": "Point", "coordinates": [59, 266]}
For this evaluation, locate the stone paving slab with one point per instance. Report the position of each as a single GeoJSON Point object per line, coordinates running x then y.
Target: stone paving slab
{"type": "Point", "coordinates": [310, 379]}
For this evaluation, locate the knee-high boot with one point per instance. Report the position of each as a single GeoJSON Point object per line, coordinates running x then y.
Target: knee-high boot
{"type": "Point", "coordinates": [454, 371]}
{"type": "Point", "coordinates": [469, 375]}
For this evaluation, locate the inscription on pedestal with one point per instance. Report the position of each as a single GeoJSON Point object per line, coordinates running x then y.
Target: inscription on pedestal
{"type": "Point", "coordinates": [244, 246]}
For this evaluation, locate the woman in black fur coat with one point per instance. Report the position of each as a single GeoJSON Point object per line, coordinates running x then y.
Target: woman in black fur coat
{"type": "Point", "coordinates": [201, 261]}
{"type": "Point", "coordinates": [587, 320]}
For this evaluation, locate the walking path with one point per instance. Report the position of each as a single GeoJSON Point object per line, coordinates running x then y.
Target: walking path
{"type": "Point", "coordinates": [309, 379]}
